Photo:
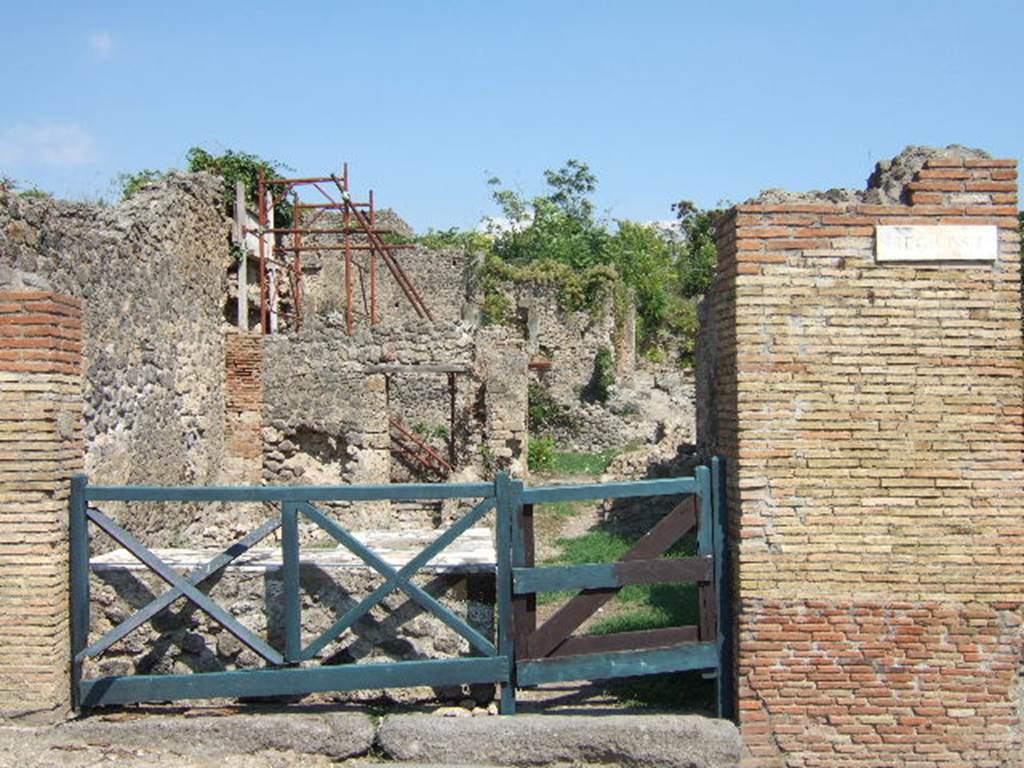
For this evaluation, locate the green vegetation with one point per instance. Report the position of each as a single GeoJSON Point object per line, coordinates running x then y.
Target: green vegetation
{"type": "Point", "coordinates": [555, 239]}
{"type": "Point", "coordinates": [423, 429]}
{"type": "Point", "coordinates": [540, 455]}
{"type": "Point", "coordinates": [231, 166]}
{"type": "Point", "coordinates": [35, 193]}
{"type": "Point", "coordinates": [602, 379]}
{"type": "Point", "coordinates": [544, 412]}
{"type": "Point", "coordinates": [636, 608]}
{"type": "Point", "coordinates": [455, 238]}
{"type": "Point", "coordinates": [130, 184]}
{"type": "Point", "coordinates": [573, 463]}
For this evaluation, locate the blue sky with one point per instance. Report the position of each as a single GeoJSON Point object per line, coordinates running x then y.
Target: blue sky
{"type": "Point", "coordinates": [426, 100]}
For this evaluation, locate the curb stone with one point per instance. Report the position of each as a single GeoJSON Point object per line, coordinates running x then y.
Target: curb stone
{"type": "Point", "coordinates": [666, 741]}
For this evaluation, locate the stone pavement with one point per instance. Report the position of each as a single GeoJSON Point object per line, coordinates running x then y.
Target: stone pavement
{"type": "Point", "coordinates": [315, 738]}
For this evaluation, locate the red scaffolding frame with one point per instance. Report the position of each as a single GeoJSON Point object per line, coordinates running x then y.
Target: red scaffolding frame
{"type": "Point", "coordinates": [362, 243]}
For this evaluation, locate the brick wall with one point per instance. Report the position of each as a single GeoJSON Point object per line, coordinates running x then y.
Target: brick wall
{"type": "Point", "coordinates": [872, 415]}
{"type": "Point", "coordinates": [243, 406]}
{"type": "Point", "coordinates": [40, 448]}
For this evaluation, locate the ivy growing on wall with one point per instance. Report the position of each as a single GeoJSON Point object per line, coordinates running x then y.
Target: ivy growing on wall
{"type": "Point", "coordinates": [232, 166]}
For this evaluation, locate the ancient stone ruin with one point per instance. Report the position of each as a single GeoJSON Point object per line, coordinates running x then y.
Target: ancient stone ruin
{"type": "Point", "coordinates": [859, 372]}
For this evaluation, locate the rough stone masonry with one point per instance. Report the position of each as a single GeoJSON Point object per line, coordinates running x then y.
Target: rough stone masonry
{"type": "Point", "coordinates": [871, 414]}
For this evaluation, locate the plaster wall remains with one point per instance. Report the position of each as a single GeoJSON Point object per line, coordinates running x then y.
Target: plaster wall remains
{"type": "Point", "coordinates": [151, 273]}
{"type": "Point", "coordinates": [871, 416]}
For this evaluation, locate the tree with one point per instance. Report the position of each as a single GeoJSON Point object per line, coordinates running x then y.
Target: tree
{"type": "Point", "coordinates": [697, 255]}
{"type": "Point", "coordinates": [557, 226]}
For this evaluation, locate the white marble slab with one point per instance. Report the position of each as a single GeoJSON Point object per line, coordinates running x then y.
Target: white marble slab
{"type": "Point", "coordinates": [936, 243]}
{"type": "Point", "coordinates": [472, 552]}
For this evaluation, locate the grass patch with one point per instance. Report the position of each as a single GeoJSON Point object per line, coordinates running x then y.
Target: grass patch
{"type": "Point", "coordinates": [581, 463]}
{"type": "Point", "coordinates": [641, 607]}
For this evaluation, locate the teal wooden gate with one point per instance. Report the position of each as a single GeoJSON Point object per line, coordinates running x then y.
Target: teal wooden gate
{"type": "Point", "coordinates": [292, 669]}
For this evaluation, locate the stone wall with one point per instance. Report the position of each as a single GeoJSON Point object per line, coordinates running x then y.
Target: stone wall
{"type": "Point", "coordinates": [569, 340]}
{"type": "Point", "coordinates": [183, 641]}
{"type": "Point", "coordinates": [151, 272]}
{"type": "Point", "coordinates": [441, 277]}
{"type": "Point", "coordinates": [501, 364]}
{"type": "Point", "coordinates": [40, 449]}
{"type": "Point", "coordinates": [871, 415]}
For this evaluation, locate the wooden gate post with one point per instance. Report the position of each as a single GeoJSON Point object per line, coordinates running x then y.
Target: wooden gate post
{"type": "Point", "coordinates": [40, 449]}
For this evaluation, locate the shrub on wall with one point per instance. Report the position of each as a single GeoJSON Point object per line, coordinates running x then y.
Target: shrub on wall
{"type": "Point", "coordinates": [541, 454]}
{"type": "Point", "coordinates": [603, 377]}
{"type": "Point", "coordinates": [544, 412]}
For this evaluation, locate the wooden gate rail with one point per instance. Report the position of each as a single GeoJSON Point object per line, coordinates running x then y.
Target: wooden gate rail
{"type": "Point", "coordinates": [285, 676]}
{"type": "Point", "coordinates": [550, 652]}
{"type": "Point", "coordinates": [521, 654]}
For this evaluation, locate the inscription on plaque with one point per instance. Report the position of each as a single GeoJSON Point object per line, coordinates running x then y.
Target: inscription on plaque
{"type": "Point", "coordinates": [936, 242]}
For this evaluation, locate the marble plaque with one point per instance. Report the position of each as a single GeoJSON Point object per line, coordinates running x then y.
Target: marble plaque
{"type": "Point", "coordinates": [936, 242]}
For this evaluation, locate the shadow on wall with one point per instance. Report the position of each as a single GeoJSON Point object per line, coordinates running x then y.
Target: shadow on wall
{"type": "Point", "coordinates": [185, 640]}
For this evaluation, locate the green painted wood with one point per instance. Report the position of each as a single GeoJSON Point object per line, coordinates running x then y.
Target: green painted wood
{"type": "Point", "coordinates": [290, 582]}
{"type": "Point", "coordinates": [291, 680]}
{"type": "Point", "coordinates": [78, 534]}
{"type": "Point", "coordinates": [704, 524]}
{"type": "Point", "coordinates": [605, 575]}
{"type": "Point", "coordinates": [725, 682]}
{"type": "Point", "coordinates": [623, 664]}
{"type": "Point", "coordinates": [366, 605]}
{"type": "Point", "coordinates": [279, 493]}
{"type": "Point", "coordinates": [508, 499]}
{"type": "Point", "coordinates": [636, 488]}
{"type": "Point", "coordinates": [414, 591]}
{"type": "Point", "coordinates": [197, 576]}
{"type": "Point", "coordinates": [202, 601]}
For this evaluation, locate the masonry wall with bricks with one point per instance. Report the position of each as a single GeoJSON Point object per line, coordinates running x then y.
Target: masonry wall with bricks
{"type": "Point", "coordinates": [871, 413]}
{"type": "Point", "coordinates": [41, 447]}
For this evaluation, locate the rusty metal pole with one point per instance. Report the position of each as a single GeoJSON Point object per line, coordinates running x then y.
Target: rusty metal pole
{"type": "Point", "coordinates": [451, 417]}
{"type": "Point", "coordinates": [297, 240]}
{"type": "Point", "coordinates": [373, 267]}
{"type": "Point", "coordinates": [348, 270]}
{"type": "Point", "coordinates": [264, 288]}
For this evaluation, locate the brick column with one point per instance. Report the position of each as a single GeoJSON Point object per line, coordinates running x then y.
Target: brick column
{"type": "Point", "coordinates": [243, 391]}
{"type": "Point", "coordinates": [40, 449]}
{"type": "Point", "coordinates": [871, 412]}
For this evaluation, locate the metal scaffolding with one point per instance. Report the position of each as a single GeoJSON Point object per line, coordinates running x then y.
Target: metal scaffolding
{"type": "Point", "coordinates": [364, 246]}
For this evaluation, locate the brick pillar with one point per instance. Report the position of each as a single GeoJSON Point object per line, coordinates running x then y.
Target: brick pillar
{"type": "Point", "coordinates": [871, 413]}
{"type": "Point", "coordinates": [243, 384]}
{"type": "Point", "coordinates": [40, 449]}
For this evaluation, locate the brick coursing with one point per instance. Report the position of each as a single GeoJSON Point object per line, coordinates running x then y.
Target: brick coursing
{"type": "Point", "coordinates": [243, 405]}
{"type": "Point", "coordinates": [41, 446]}
{"type": "Point", "coordinates": [872, 417]}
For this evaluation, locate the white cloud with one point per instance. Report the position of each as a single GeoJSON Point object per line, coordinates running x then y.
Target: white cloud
{"type": "Point", "coordinates": [101, 43]}
{"type": "Point", "coordinates": [47, 142]}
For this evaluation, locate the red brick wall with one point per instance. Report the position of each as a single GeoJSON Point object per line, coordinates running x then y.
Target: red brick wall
{"type": "Point", "coordinates": [872, 416]}
{"type": "Point", "coordinates": [243, 363]}
{"type": "Point", "coordinates": [40, 449]}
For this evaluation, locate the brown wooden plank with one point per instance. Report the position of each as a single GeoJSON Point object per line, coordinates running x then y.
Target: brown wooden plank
{"type": "Point", "coordinates": [570, 616]}
{"type": "Point", "coordinates": [626, 641]}
{"type": "Point", "coordinates": [663, 571]}
{"type": "Point", "coordinates": [524, 607]}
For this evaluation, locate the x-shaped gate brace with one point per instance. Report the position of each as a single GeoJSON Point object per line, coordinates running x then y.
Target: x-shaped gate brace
{"type": "Point", "coordinates": [187, 586]}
